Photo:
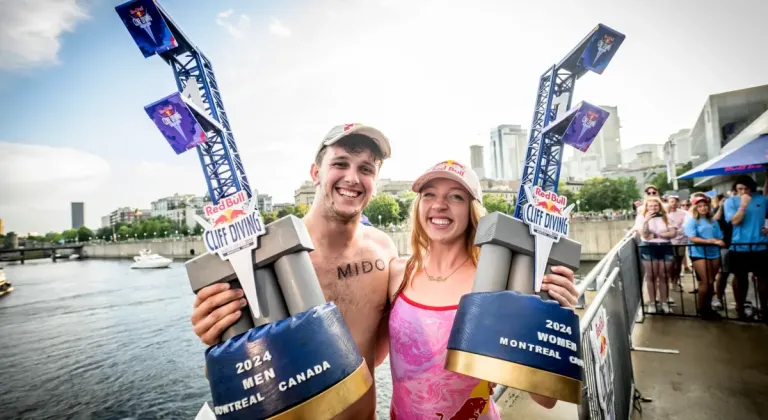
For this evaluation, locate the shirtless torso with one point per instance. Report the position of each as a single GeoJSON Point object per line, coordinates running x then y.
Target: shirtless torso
{"type": "Point", "coordinates": [355, 277]}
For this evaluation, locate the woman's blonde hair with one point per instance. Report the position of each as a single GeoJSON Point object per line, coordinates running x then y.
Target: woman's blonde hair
{"type": "Point", "coordinates": [420, 241]}
{"type": "Point", "coordinates": [662, 210]}
{"type": "Point", "coordinates": [695, 210]}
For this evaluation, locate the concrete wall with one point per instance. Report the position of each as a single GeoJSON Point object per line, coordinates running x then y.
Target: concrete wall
{"type": "Point", "coordinates": [171, 249]}
{"type": "Point", "coordinates": [596, 237]}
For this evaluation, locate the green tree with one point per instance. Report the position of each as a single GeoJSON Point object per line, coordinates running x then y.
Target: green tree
{"type": "Point", "coordinates": [123, 233]}
{"type": "Point", "coordinates": [600, 194]}
{"type": "Point", "coordinates": [570, 194]}
{"type": "Point", "coordinates": [384, 206]}
{"type": "Point", "coordinates": [404, 202]}
{"type": "Point", "coordinates": [104, 233]}
{"type": "Point", "coordinates": [301, 210]}
{"type": "Point", "coordinates": [496, 202]}
{"type": "Point", "coordinates": [84, 234]}
{"type": "Point", "coordinates": [69, 235]}
{"type": "Point", "coordinates": [269, 217]}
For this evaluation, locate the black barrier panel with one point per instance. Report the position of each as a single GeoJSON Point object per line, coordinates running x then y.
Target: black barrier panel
{"type": "Point", "coordinates": [629, 262]}
{"type": "Point", "coordinates": [621, 353]}
{"type": "Point", "coordinates": [609, 387]}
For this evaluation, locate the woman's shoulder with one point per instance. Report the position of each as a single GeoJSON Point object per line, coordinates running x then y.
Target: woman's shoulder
{"type": "Point", "coordinates": [396, 273]}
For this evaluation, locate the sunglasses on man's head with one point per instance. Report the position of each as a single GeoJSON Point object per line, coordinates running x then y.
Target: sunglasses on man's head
{"type": "Point", "coordinates": [651, 192]}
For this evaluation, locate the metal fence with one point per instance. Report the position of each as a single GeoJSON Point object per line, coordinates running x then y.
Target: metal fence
{"type": "Point", "coordinates": [609, 387]}
{"type": "Point", "coordinates": [606, 328]}
{"type": "Point", "coordinates": [721, 284]}
{"type": "Point", "coordinates": [608, 321]}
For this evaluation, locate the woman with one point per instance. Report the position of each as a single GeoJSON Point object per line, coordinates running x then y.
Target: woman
{"type": "Point", "coordinates": [701, 229]}
{"type": "Point", "coordinates": [678, 217]}
{"type": "Point", "coordinates": [424, 293]}
{"type": "Point", "coordinates": [656, 252]}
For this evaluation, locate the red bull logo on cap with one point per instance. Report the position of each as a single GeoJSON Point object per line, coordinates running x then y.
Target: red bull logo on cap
{"type": "Point", "coordinates": [450, 166]}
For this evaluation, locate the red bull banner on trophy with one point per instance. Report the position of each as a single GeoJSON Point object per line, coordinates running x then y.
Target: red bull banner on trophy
{"type": "Point", "coordinates": [601, 49]}
{"type": "Point", "coordinates": [175, 120]}
{"type": "Point", "coordinates": [146, 26]}
{"type": "Point", "coordinates": [585, 125]}
{"type": "Point", "coordinates": [233, 232]}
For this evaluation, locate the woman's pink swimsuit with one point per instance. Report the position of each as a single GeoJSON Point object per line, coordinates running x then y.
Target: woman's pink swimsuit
{"type": "Point", "coordinates": [421, 387]}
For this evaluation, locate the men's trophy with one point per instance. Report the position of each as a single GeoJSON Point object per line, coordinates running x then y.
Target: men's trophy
{"type": "Point", "coordinates": [290, 355]}
{"type": "Point", "coordinates": [507, 330]}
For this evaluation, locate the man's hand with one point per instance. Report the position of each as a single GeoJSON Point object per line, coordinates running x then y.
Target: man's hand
{"type": "Point", "coordinates": [559, 284]}
{"type": "Point", "coordinates": [216, 308]}
{"type": "Point", "coordinates": [745, 199]}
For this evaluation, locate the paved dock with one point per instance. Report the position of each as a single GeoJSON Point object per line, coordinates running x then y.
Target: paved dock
{"type": "Point", "coordinates": [721, 373]}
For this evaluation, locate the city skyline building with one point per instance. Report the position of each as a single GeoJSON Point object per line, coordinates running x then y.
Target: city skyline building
{"type": "Point", "coordinates": [507, 149]}
{"type": "Point", "coordinates": [477, 160]}
{"type": "Point", "coordinates": [78, 214]}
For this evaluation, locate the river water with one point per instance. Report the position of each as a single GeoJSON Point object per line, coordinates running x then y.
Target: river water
{"type": "Point", "coordinates": [94, 339]}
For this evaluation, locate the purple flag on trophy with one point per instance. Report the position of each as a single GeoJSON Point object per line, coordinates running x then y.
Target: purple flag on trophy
{"type": "Point", "coordinates": [586, 123]}
{"type": "Point", "coordinates": [146, 26]}
{"type": "Point", "coordinates": [177, 123]}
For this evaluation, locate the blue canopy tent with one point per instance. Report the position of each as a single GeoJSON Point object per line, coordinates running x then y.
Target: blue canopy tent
{"type": "Point", "coordinates": [750, 157]}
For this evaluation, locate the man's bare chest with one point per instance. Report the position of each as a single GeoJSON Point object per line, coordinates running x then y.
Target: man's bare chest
{"type": "Point", "coordinates": [353, 279]}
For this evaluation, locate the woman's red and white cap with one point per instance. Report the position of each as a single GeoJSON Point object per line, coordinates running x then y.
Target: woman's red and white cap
{"type": "Point", "coordinates": [696, 198]}
{"type": "Point", "coordinates": [457, 171]}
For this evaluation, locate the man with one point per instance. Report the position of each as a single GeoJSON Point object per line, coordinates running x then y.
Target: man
{"type": "Point", "coordinates": [344, 175]}
{"type": "Point", "coordinates": [746, 211]}
{"type": "Point", "coordinates": [725, 257]}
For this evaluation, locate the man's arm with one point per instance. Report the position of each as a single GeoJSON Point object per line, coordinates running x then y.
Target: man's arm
{"type": "Point", "coordinates": [390, 253]}
{"type": "Point", "coordinates": [729, 210]}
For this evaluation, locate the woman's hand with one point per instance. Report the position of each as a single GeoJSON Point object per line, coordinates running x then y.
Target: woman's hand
{"type": "Point", "coordinates": [559, 284]}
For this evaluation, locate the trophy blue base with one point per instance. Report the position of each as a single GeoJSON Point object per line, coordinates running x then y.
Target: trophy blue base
{"type": "Point", "coordinates": [303, 367]}
{"type": "Point", "coordinates": [520, 341]}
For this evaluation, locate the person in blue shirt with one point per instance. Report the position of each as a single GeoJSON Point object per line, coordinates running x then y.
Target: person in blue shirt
{"type": "Point", "coordinates": [705, 240]}
{"type": "Point", "coordinates": [746, 211]}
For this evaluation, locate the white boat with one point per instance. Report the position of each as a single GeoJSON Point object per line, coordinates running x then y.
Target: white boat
{"type": "Point", "coordinates": [74, 257]}
{"type": "Point", "coordinates": [147, 259]}
{"type": "Point", "coordinates": [5, 287]}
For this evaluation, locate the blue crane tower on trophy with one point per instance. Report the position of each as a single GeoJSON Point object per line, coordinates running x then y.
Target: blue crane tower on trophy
{"type": "Point", "coordinates": [536, 347]}
{"type": "Point", "coordinates": [260, 368]}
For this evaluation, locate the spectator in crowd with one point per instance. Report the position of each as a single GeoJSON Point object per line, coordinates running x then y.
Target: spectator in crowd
{"type": "Point", "coordinates": [747, 213]}
{"type": "Point", "coordinates": [725, 256]}
{"type": "Point", "coordinates": [677, 216]}
{"type": "Point", "coordinates": [685, 205]}
{"type": "Point", "coordinates": [650, 191]}
{"type": "Point", "coordinates": [656, 230]}
{"type": "Point", "coordinates": [702, 230]}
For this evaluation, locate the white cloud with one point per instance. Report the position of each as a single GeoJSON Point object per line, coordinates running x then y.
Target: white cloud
{"type": "Point", "coordinates": [30, 31]}
{"type": "Point", "coordinates": [37, 184]}
{"type": "Point", "coordinates": [237, 29]}
{"type": "Point", "coordinates": [277, 27]}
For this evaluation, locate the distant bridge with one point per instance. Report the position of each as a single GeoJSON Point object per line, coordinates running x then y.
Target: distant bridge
{"type": "Point", "coordinates": [38, 252]}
